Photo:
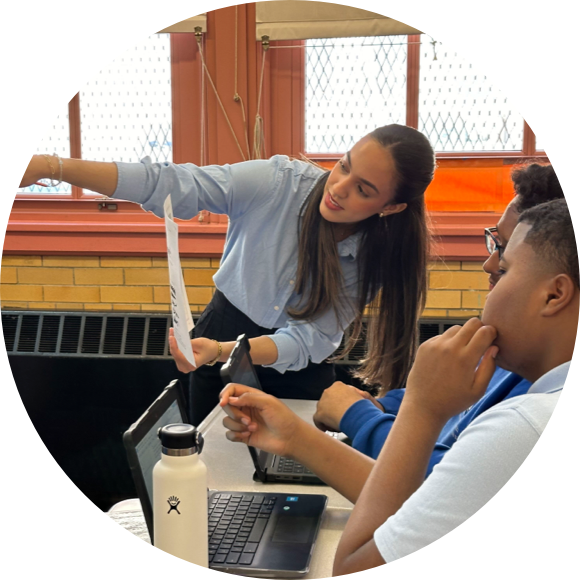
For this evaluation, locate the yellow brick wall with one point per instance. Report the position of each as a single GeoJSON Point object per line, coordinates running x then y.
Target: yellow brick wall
{"type": "Point", "coordinates": [456, 289]}
{"type": "Point", "coordinates": [100, 284]}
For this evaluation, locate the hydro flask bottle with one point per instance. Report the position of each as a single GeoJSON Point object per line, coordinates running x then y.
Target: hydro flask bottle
{"type": "Point", "coordinates": [180, 495]}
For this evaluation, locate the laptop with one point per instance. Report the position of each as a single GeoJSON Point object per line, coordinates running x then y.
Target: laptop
{"type": "Point", "coordinates": [253, 534]}
{"type": "Point", "coordinates": [269, 467]}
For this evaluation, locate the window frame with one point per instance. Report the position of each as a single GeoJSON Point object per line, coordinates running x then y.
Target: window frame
{"type": "Point", "coordinates": [86, 223]}
{"type": "Point", "coordinates": [75, 149]}
{"type": "Point", "coordinates": [89, 224]}
{"type": "Point", "coordinates": [527, 151]}
{"type": "Point", "coordinates": [74, 125]}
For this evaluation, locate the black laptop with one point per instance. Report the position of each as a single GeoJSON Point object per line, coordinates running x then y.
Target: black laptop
{"type": "Point", "coordinates": [254, 534]}
{"type": "Point", "coordinates": [269, 467]}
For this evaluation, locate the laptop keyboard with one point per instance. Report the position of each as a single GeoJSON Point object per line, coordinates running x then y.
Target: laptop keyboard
{"type": "Point", "coordinates": [235, 526]}
{"type": "Point", "coordinates": [286, 465]}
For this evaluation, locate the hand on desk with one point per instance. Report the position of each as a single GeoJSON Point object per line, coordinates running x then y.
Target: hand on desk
{"type": "Point", "coordinates": [260, 420]}
{"type": "Point", "coordinates": [334, 403]}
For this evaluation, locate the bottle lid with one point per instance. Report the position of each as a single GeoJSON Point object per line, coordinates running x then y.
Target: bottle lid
{"type": "Point", "coordinates": [181, 436]}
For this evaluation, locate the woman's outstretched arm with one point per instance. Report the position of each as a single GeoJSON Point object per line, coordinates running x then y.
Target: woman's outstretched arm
{"type": "Point", "coordinates": [94, 175]}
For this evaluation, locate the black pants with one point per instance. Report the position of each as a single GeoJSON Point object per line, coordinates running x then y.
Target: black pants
{"type": "Point", "coordinates": [224, 322]}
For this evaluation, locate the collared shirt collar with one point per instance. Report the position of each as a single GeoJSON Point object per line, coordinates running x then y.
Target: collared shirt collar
{"type": "Point", "coordinates": [350, 246]}
{"type": "Point", "coordinates": [552, 381]}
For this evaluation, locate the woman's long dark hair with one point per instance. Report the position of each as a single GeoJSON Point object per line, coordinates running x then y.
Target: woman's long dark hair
{"type": "Point", "coordinates": [392, 261]}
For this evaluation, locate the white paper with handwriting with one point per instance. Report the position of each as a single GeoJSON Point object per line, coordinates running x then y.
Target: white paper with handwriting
{"type": "Point", "coordinates": [180, 311]}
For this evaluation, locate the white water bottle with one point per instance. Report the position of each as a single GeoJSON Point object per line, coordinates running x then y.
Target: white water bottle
{"type": "Point", "coordinates": [180, 495]}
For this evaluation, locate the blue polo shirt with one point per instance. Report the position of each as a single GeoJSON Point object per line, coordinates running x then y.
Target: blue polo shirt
{"type": "Point", "coordinates": [368, 427]}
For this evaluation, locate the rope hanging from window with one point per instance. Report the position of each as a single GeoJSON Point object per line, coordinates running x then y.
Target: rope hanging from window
{"type": "Point", "coordinates": [204, 65]}
{"type": "Point", "coordinates": [202, 124]}
{"type": "Point", "coordinates": [202, 215]}
{"type": "Point", "coordinates": [259, 139]}
{"type": "Point", "coordinates": [237, 97]}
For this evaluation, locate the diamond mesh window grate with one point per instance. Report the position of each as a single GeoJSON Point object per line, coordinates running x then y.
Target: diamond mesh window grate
{"type": "Point", "coordinates": [125, 112]}
{"type": "Point", "coordinates": [353, 85]}
{"type": "Point", "coordinates": [460, 109]}
{"type": "Point", "coordinates": [126, 106]}
{"type": "Point", "coordinates": [57, 140]}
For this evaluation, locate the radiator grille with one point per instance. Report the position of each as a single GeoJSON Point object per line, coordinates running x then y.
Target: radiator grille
{"type": "Point", "coordinates": [91, 340]}
{"type": "Point", "coordinates": [90, 335]}
{"type": "Point", "coordinates": [49, 333]}
{"type": "Point", "coordinates": [28, 331]}
{"type": "Point", "coordinates": [71, 332]}
{"type": "Point", "coordinates": [128, 335]}
{"type": "Point", "coordinates": [134, 336]}
{"type": "Point", "coordinates": [114, 335]}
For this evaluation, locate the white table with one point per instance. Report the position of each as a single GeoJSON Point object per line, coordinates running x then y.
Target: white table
{"type": "Point", "coordinates": [230, 468]}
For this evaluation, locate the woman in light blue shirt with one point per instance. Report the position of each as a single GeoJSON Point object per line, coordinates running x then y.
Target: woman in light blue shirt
{"type": "Point", "coordinates": [307, 252]}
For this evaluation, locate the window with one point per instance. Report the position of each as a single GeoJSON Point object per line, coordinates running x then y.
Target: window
{"type": "Point", "coordinates": [353, 86]}
{"type": "Point", "coordinates": [56, 141]}
{"type": "Point", "coordinates": [459, 109]}
{"type": "Point", "coordinates": [125, 112]}
{"type": "Point", "coordinates": [126, 109]}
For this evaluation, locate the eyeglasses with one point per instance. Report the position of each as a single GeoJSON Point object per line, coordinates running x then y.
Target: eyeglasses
{"type": "Point", "coordinates": [492, 242]}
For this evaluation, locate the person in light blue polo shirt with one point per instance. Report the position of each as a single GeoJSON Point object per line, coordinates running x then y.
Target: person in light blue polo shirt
{"type": "Point", "coordinates": [529, 326]}
{"type": "Point", "coordinates": [306, 251]}
{"type": "Point", "coordinates": [367, 421]}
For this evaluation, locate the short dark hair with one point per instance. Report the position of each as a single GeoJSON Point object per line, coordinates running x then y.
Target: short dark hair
{"type": "Point", "coordinates": [552, 236]}
{"type": "Point", "coordinates": [534, 184]}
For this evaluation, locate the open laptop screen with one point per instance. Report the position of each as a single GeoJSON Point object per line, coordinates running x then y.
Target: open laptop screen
{"type": "Point", "coordinates": [143, 445]}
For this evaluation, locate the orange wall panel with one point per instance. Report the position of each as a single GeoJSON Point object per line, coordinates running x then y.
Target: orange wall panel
{"type": "Point", "coordinates": [470, 187]}
{"type": "Point", "coordinates": [466, 185]}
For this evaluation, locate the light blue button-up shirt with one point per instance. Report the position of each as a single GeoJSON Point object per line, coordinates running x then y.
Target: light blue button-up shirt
{"type": "Point", "coordinates": [257, 272]}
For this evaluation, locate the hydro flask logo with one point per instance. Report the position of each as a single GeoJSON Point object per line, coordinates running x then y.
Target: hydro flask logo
{"type": "Point", "coordinates": [173, 503]}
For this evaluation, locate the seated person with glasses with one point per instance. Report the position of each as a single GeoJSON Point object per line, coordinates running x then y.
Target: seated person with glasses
{"type": "Point", "coordinates": [492, 242]}
{"type": "Point", "coordinates": [368, 421]}
{"type": "Point", "coordinates": [529, 326]}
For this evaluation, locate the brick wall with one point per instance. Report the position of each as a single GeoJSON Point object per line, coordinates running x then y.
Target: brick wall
{"type": "Point", "coordinates": [456, 289]}
{"type": "Point", "coordinates": [100, 284]}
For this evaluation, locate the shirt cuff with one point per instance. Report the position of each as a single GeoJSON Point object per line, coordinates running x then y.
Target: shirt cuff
{"type": "Point", "coordinates": [131, 178]}
{"type": "Point", "coordinates": [356, 416]}
{"type": "Point", "coordinates": [286, 353]}
{"type": "Point", "coordinates": [391, 402]}
{"type": "Point", "coordinates": [381, 537]}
